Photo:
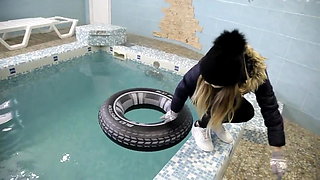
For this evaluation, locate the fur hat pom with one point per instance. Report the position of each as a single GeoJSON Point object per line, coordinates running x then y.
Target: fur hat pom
{"type": "Point", "coordinates": [223, 64]}
{"type": "Point", "coordinates": [232, 43]}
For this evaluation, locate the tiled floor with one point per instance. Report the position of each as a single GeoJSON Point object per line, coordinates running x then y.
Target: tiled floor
{"type": "Point", "coordinates": [250, 160]}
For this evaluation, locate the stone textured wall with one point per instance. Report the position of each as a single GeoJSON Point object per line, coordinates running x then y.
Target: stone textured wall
{"type": "Point", "coordinates": [179, 23]}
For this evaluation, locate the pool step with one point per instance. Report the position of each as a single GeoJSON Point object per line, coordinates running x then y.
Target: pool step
{"type": "Point", "coordinates": [190, 162]}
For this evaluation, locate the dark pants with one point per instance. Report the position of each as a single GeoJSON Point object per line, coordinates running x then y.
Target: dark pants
{"type": "Point", "coordinates": [243, 114]}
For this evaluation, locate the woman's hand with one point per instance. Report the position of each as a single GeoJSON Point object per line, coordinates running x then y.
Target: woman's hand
{"type": "Point", "coordinates": [278, 163]}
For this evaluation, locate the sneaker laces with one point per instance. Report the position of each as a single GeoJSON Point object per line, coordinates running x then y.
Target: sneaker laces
{"type": "Point", "coordinates": [223, 134]}
{"type": "Point", "coordinates": [206, 133]}
{"type": "Point", "coordinates": [220, 130]}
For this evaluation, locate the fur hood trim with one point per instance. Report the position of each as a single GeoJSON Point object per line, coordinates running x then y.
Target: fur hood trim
{"type": "Point", "coordinates": [257, 73]}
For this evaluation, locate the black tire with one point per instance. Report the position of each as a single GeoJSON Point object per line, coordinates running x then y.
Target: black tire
{"type": "Point", "coordinates": [139, 136]}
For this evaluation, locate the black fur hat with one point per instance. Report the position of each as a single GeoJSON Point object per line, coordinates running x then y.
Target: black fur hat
{"type": "Point", "coordinates": [223, 64]}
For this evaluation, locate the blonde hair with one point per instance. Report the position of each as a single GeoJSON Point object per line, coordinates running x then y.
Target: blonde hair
{"type": "Point", "coordinates": [220, 103]}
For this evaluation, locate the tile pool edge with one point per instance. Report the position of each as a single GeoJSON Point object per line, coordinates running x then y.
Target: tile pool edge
{"type": "Point", "coordinates": [24, 63]}
{"type": "Point", "coordinates": [166, 61]}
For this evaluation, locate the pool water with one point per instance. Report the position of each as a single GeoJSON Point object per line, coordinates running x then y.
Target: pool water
{"type": "Point", "coordinates": [54, 133]}
{"type": "Point", "coordinates": [149, 115]}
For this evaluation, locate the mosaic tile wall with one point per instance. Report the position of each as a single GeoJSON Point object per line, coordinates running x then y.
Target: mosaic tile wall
{"type": "Point", "coordinates": [148, 56]}
{"type": "Point", "coordinates": [25, 63]}
{"type": "Point", "coordinates": [101, 35]}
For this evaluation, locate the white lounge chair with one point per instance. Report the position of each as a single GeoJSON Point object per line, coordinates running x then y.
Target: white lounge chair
{"type": "Point", "coordinates": [27, 24]}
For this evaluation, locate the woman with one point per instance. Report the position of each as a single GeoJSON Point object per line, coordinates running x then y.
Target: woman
{"type": "Point", "coordinates": [216, 86]}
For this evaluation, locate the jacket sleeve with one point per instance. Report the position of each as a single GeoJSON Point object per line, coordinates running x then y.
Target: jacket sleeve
{"type": "Point", "coordinates": [185, 88]}
{"type": "Point", "coordinates": [272, 117]}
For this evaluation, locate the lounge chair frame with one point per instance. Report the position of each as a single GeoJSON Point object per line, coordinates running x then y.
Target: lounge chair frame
{"type": "Point", "coordinates": [28, 24]}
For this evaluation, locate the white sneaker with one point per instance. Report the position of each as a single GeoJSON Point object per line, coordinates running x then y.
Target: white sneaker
{"type": "Point", "coordinates": [223, 134]}
{"type": "Point", "coordinates": [202, 137]}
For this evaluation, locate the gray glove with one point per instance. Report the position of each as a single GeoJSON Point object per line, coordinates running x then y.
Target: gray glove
{"type": "Point", "coordinates": [278, 163]}
{"type": "Point", "coordinates": [169, 116]}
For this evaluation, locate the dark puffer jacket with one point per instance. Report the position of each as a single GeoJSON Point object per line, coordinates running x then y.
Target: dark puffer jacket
{"type": "Point", "coordinates": [264, 95]}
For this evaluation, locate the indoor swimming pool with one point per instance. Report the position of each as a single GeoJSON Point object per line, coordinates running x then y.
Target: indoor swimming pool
{"type": "Point", "coordinates": [54, 131]}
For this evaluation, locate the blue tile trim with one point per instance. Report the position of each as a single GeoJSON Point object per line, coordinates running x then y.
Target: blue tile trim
{"type": "Point", "coordinates": [55, 58]}
{"type": "Point", "coordinates": [39, 54]}
{"type": "Point", "coordinates": [176, 68]}
{"type": "Point", "coordinates": [12, 70]}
